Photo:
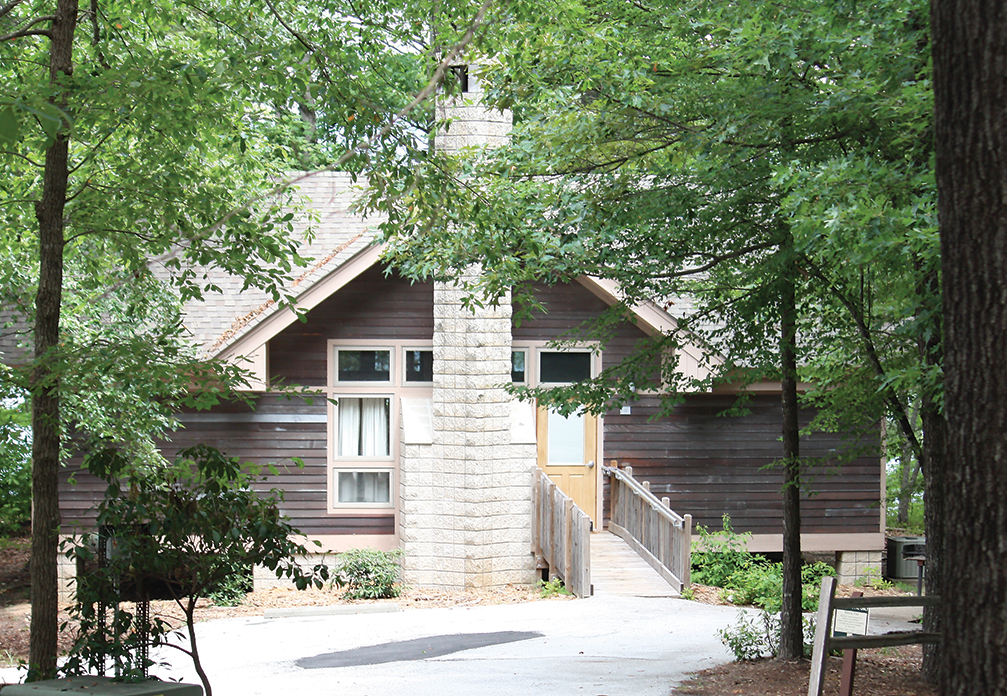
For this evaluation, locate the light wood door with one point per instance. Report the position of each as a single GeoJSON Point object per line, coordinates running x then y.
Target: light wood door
{"type": "Point", "coordinates": [567, 452]}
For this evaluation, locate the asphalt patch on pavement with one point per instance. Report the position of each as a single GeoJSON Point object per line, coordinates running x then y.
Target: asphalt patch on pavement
{"type": "Point", "coordinates": [416, 649]}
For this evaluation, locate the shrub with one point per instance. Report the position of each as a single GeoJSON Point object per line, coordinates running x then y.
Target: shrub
{"type": "Point", "coordinates": [756, 637]}
{"type": "Point", "coordinates": [721, 560]}
{"type": "Point", "coordinates": [15, 466]}
{"type": "Point", "coordinates": [369, 573]}
{"type": "Point", "coordinates": [760, 583]}
{"type": "Point", "coordinates": [230, 591]}
{"type": "Point", "coordinates": [717, 556]}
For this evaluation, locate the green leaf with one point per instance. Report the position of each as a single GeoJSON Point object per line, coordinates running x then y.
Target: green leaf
{"type": "Point", "coordinates": [9, 126]}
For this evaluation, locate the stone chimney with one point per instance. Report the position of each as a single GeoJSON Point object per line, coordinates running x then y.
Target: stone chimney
{"type": "Point", "coordinates": [466, 499]}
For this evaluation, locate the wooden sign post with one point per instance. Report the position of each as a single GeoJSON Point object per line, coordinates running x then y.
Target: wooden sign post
{"type": "Point", "coordinates": [826, 640]}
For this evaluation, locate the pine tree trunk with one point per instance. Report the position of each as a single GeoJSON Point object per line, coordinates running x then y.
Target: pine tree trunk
{"type": "Point", "coordinates": [791, 617]}
{"type": "Point", "coordinates": [970, 88]}
{"type": "Point", "coordinates": [45, 375]}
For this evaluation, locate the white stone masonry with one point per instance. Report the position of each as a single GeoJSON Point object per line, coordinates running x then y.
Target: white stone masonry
{"type": "Point", "coordinates": [466, 507]}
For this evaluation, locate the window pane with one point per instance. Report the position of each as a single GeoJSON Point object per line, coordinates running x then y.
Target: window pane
{"type": "Point", "coordinates": [363, 486]}
{"type": "Point", "coordinates": [564, 367]}
{"type": "Point", "coordinates": [364, 427]}
{"type": "Point", "coordinates": [517, 359]}
{"type": "Point", "coordinates": [419, 366]}
{"type": "Point", "coordinates": [566, 438]}
{"type": "Point", "coordinates": [363, 365]}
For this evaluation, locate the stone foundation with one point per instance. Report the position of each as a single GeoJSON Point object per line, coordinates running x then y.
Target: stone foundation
{"type": "Point", "coordinates": [857, 565]}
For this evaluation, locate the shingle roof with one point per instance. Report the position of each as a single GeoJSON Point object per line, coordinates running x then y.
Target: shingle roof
{"type": "Point", "coordinates": [339, 233]}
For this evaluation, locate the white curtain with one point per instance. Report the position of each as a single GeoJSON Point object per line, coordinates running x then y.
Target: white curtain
{"type": "Point", "coordinates": [363, 427]}
{"type": "Point", "coordinates": [364, 486]}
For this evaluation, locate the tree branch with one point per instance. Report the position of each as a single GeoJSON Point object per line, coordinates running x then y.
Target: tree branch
{"type": "Point", "coordinates": [6, 9]}
{"type": "Point", "coordinates": [890, 397]}
{"type": "Point", "coordinates": [30, 32]}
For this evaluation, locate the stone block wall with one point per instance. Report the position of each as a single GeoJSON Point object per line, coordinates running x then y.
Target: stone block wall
{"type": "Point", "coordinates": [857, 565]}
{"type": "Point", "coordinates": [465, 508]}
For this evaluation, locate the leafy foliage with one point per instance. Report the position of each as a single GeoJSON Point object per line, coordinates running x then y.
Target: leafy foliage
{"type": "Point", "coordinates": [15, 466]}
{"type": "Point", "coordinates": [369, 573]}
{"type": "Point", "coordinates": [716, 556]}
{"type": "Point", "coordinates": [179, 532]}
{"type": "Point", "coordinates": [720, 559]}
{"type": "Point", "coordinates": [753, 638]}
{"type": "Point", "coordinates": [553, 588]}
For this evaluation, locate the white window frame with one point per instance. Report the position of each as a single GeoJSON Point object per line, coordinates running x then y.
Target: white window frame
{"type": "Point", "coordinates": [334, 487]}
{"type": "Point", "coordinates": [394, 389]}
{"type": "Point", "coordinates": [403, 349]}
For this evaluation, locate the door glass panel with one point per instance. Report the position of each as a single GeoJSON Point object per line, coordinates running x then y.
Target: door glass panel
{"type": "Point", "coordinates": [566, 438]}
{"type": "Point", "coordinates": [564, 367]}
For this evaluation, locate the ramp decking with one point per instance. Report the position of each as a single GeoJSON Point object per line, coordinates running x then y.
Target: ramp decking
{"type": "Point", "coordinates": [616, 569]}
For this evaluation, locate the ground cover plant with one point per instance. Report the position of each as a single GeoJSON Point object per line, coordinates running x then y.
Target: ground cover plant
{"type": "Point", "coordinates": [721, 559]}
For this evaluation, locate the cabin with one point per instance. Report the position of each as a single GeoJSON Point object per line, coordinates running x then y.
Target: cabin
{"type": "Point", "coordinates": [409, 440]}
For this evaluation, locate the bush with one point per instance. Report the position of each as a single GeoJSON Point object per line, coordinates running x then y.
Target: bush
{"type": "Point", "coordinates": [719, 555]}
{"type": "Point", "coordinates": [756, 637]}
{"type": "Point", "coordinates": [720, 559]}
{"type": "Point", "coordinates": [230, 591]}
{"type": "Point", "coordinates": [760, 583]}
{"type": "Point", "coordinates": [369, 573]}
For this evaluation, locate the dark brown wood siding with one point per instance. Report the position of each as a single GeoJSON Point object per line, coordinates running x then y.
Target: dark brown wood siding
{"type": "Point", "coordinates": [709, 465]}
{"type": "Point", "coordinates": [373, 306]}
{"type": "Point", "coordinates": [276, 431]}
{"type": "Point", "coordinates": [568, 307]}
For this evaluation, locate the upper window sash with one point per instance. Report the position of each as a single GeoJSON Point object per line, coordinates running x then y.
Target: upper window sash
{"type": "Point", "coordinates": [355, 365]}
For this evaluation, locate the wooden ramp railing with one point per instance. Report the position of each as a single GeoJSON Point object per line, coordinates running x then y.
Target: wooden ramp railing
{"type": "Point", "coordinates": [661, 536]}
{"type": "Point", "coordinates": [561, 535]}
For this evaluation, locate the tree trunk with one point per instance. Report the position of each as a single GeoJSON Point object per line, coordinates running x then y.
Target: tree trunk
{"type": "Point", "coordinates": [970, 90]}
{"type": "Point", "coordinates": [934, 436]}
{"type": "Point", "coordinates": [791, 617]}
{"type": "Point", "coordinates": [45, 375]}
{"type": "Point", "coordinates": [934, 429]}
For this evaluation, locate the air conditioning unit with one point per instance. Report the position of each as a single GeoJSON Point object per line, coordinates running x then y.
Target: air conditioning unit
{"type": "Point", "coordinates": [900, 549]}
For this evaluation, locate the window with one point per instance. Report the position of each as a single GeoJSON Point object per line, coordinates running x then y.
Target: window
{"type": "Point", "coordinates": [378, 397]}
{"type": "Point", "coordinates": [364, 427]}
{"type": "Point", "coordinates": [363, 365]}
{"type": "Point", "coordinates": [367, 487]}
{"type": "Point", "coordinates": [419, 365]}
{"type": "Point", "coordinates": [563, 368]}
{"type": "Point", "coordinates": [517, 366]}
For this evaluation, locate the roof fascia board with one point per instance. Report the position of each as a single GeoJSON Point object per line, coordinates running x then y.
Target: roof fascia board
{"type": "Point", "coordinates": [654, 320]}
{"type": "Point", "coordinates": [272, 325]}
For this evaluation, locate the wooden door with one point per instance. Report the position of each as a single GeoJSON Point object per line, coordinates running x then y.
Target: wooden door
{"type": "Point", "coordinates": [568, 453]}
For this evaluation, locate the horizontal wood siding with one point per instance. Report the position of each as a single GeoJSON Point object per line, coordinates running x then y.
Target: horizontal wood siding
{"type": "Point", "coordinates": [277, 431]}
{"type": "Point", "coordinates": [373, 306]}
{"type": "Point", "coordinates": [709, 465]}
{"type": "Point", "coordinates": [568, 307]}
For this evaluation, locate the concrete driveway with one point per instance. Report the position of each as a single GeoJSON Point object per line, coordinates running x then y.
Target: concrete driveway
{"type": "Point", "coordinates": [610, 645]}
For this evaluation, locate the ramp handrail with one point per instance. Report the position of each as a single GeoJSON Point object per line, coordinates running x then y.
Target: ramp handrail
{"type": "Point", "coordinates": [660, 535]}
{"type": "Point", "coordinates": [561, 535]}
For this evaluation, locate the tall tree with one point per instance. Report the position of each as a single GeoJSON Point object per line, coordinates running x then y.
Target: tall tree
{"type": "Point", "coordinates": [679, 150]}
{"type": "Point", "coordinates": [970, 86]}
{"type": "Point", "coordinates": [164, 128]}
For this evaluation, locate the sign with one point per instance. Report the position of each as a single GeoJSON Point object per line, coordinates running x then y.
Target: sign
{"type": "Point", "coordinates": [850, 622]}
